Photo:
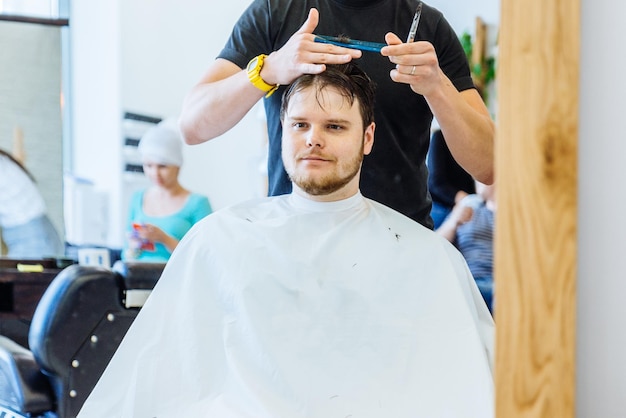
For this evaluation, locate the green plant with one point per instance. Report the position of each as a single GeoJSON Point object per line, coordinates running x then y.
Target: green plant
{"type": "Point", "coordinates": [484, 71]}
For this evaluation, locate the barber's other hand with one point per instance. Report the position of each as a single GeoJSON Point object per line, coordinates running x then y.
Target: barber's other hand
{"type": "Point", "coordinates": [416, 64]}
{"type": "Point", "coordinates": [302, 55]}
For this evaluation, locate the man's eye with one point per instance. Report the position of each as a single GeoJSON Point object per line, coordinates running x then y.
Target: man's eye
{"type": "Point", "coordinates": [299, 125]}
{"type": "Point", "coordinates": [335, 127]}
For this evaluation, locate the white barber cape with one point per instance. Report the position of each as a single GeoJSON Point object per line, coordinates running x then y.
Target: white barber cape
{"type": "Point", "coordinates": [287, 308]}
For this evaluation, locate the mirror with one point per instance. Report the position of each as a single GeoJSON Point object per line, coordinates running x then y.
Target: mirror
{"type": "Point", "coordinates": [31, 105]}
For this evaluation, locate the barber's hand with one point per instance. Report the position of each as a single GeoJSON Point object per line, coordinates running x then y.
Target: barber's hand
{"type": "Point", "coordinates": [302, 55]}
{"type": "Point", "coordinates": [416, 64]}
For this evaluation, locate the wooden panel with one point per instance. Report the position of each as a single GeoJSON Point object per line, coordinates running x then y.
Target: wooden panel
{"type": "Point", "coordinates": [535, 242]}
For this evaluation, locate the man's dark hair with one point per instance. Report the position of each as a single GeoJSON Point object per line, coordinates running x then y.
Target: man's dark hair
{"type": "Point", "coordinates": [348, 79]}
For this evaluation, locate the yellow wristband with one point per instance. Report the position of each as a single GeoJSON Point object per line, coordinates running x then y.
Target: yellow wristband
{"type": "Point", "coordinates": [254, 75]}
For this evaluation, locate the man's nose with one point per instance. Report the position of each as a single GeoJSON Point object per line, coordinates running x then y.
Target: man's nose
{"type": "Point", "coordinates": [315, 138]}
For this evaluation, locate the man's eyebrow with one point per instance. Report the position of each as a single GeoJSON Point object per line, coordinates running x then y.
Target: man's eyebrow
{"type": "Point", "coordinates": [335, 121]}
{"type": "Point", "coordinates": [295, 117]}
{"type": "Point", "coordinates": [339, 121]}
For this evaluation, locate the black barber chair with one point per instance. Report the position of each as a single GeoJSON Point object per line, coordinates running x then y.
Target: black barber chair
{"type": "Point", "coordinates": [77, 326]}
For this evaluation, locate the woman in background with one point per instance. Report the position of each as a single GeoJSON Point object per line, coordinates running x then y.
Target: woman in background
{"type": "Point", "coordinates": [26, 228]}
{"type": "Point", "coordinates": [161, 214]}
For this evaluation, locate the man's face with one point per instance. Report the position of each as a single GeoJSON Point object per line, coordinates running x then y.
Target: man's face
{"type": "Point", "coordinates": [324, 143]}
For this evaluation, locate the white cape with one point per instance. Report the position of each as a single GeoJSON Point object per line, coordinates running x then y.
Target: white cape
{"type": "Point", "coordinates": [284, 307]}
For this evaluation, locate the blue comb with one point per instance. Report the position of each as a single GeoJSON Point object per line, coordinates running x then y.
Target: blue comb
{"type": "Point", "coordinates": [349, 43]}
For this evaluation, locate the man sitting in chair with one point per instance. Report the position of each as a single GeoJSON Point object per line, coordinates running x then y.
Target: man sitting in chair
{"type": "Point", "coordinates": [320, 303]}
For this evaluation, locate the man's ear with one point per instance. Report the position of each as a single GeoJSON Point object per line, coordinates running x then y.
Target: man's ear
{"type": "Point", "coordinates": [368, 138]}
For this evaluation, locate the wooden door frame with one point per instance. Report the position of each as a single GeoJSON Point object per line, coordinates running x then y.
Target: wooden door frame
{"type": "Point", "coordinates": [535, 239]}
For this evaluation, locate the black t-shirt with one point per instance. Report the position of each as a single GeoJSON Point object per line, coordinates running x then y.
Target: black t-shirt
{"type": "Point", "coordinates": [395, 173]}
{"type": "Point", "coordinates": [446, 176]}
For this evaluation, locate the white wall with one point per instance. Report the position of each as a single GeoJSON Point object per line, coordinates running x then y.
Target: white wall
{"type": "Point", "coordinates": [601, 364]}
{"type": "Point", "coordinates": [96, 101]}
{"type": "Point", "coordinates": [462, 14]}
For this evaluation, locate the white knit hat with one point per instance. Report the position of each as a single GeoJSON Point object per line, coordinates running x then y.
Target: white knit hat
{"type": "Point", "coordinates": [162, 144]}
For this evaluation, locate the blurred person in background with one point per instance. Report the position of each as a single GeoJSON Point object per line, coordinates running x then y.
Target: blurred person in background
{"type": "Point", "coordinates": [27, 231]}
{"type": "Point", "coordinates": [470, 228]}
{"type": "Point", "coordinates": [161, 214]}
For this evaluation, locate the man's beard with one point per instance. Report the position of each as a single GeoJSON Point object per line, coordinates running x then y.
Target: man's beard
{"type": "Point", "coordinates": [330, 182]}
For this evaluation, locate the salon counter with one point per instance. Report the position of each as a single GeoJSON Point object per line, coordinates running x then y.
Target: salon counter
{"type": "Point", "coordinates": [22, 283]}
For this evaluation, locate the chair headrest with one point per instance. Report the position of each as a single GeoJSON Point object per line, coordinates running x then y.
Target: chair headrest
{"type": "Point", "coordinates": [138, 274]}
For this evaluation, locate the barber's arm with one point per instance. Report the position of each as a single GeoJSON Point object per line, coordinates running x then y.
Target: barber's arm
{"type": "Point", "coordinates": [225, 94]}
{"type": "Point", "coordinates": [462, 116]}
{"type": "Point", "coordinates": [217, 103]}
